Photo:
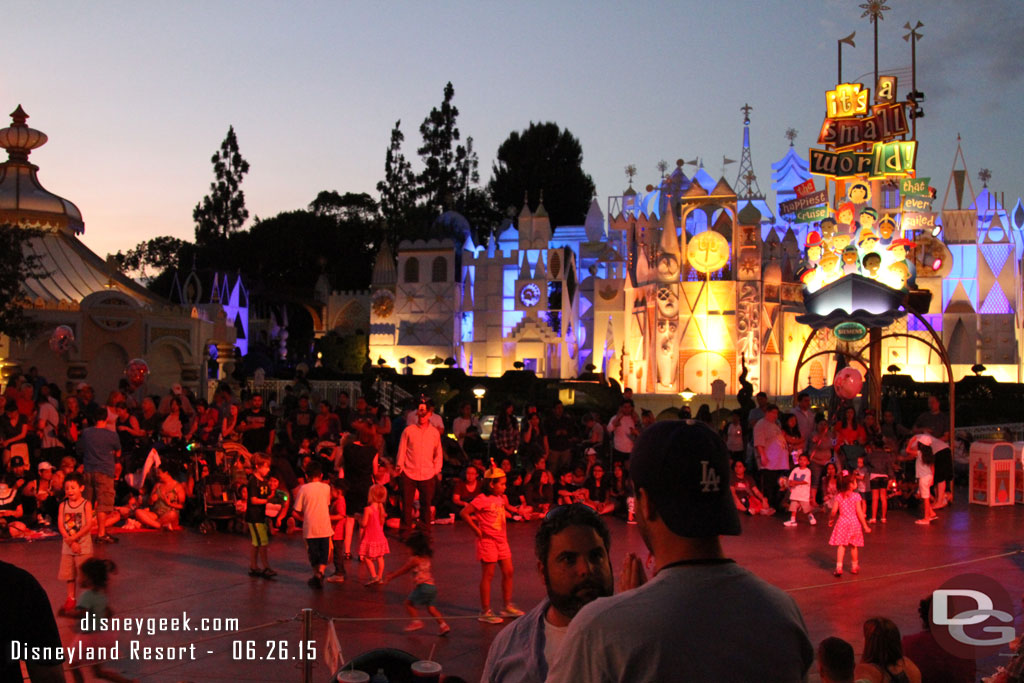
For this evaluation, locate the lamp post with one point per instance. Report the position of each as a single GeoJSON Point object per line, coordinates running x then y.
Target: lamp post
{"type": "Point", "coordinates": [687, 394]}
{"type": "Point", "coordinates": [479, 391]}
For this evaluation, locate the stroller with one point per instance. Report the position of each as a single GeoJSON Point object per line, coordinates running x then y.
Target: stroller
{"type": "Point", "coordinates": [219, 504]}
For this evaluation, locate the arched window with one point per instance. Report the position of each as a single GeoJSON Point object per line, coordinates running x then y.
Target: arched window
{"type": "Point", "coordinates": [439, 270]}
{"type": "Point", "coordinates": [412, 270]}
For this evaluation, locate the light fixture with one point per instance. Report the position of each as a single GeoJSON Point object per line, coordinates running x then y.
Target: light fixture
{"type": "Point", "coordinates": [479, 391]}
{"type": "Point", "coordinates": [687, 394]}
{"type": "Point", "coordinates": [937, 264]}
{"type": "Point", "coordinates": [936, 230]}
{"type": "Point", "coordinates": [894, 369]}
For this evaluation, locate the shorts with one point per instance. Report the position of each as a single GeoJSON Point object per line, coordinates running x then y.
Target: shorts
{"type": "Point", "coordinates": [99, 490]}
{"type": "Point", "coordinates": [70, 566]}
{"type": "Point", "coordinates": [924, 485]}
{"type": "Point", "coordinates": [317, 549]}
{"type": "Point", "coordinates": [259, 533]}
{"type": "Point", "coordinates": [423, 595]}
{"type": "Point", "coordinates": [944, 465]}
{"type": "Point", "coordinates": [492, 549]}
{"type": "Point", "coordinates": [879, 483]}
{"type": "Point", "coordinates": [802, 505]}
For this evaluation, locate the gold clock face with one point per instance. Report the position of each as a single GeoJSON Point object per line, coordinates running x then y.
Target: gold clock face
{"type": "Point", "coordinates": [383, 305]}
{"type": "Point", "coordinates": [708, 251]}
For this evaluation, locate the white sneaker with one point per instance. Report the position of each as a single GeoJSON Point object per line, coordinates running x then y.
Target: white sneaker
{"type": "Point", "coordinates": [789, 522]}
{"type": "Point", "coordinates": [812, 520]}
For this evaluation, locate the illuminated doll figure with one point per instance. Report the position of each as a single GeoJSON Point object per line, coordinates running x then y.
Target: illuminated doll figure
{"type": "Point", "coordinates": [870, 264]}
{"type": "Point", "coordinates": [813, 248]}
{"type": "Point", "coordinates": [886, 228]}
{"type": "Point", "coordinates": [867, 241]}
{"type": "Point", "coordinates": [828, 267]}
{"type": "Point", "coordinates": [844, 216]}
{"type": "Point", "coordinates": [867, 219]}
{"type": "Point", "coordinates": [841, 240]}
{"type": "Point", "coordinates": [851, 260]}
{"type": "Point", "coordinates": [900, 249]}
{"type": "Point", "coordinates": [860, 193]}
{"type": "Point", "coordinates": [828, 228]}
{"type": "Point", "coordinates": [668, 267]}
{"type": "Point", "coordinates": [899, 274]}
{"type": "Point", "coordinates": [668, 353]}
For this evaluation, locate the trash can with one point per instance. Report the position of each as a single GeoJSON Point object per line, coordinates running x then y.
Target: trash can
{"type": "Point", "coordinates": [992, 466]}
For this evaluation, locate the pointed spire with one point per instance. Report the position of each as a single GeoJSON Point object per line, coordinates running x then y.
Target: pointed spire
{"type": "Point", "coordinates": [385, 274]}
{"type": "Point", "coordinates": [541, 225]}
{"type": "Point", "coordinates": [669, 239]}
{"type": "Point", "coordinates": [467, 291]}
{"type": "Point", "coordinates": [524, 268]}
{"type": "Point", "coordinates": [594, 222]}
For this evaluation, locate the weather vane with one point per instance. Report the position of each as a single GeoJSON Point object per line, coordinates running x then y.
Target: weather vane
{"type": "Point", "coordinates": [630, 173]}
{"type": "Point", "coordinates": [746, 109]}
{"type": "Point", "coordinates": [791, 135]}
{"type": "Point", "coordinates": [874, 9]}
{"type": "Point", "coordinates": [984, 175]}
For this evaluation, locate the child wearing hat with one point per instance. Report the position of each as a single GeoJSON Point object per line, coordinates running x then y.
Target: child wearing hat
{"type": "Point", "coordinates": [485, 514]}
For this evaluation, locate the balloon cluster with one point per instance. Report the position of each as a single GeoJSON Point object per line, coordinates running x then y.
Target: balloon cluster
{"type": "Point", "coordinates": [848, 383]}
{"type": "Point", "coordinates": [62, 339]}
{"type": "Point", "coordinates": [136, 371]}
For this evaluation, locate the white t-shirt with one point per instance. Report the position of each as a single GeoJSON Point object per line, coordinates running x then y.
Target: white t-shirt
{"type": "Point", "coordinates": [800, 493]}
{"type": "Point", "coordinates": [314, 502]}
{"type": "Point", "coordinates": [553, 637]}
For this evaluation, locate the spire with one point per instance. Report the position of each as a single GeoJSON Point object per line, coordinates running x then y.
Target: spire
{"type": "Point", "coordinates": [384, 272]}
{"type": "Point", "coordinates": [669, 239]}
{"type": "Point", "coordinates": [594, 222]}
{"type": "Point", "coordinates": [525, 223]}
{"type": "Point", "coordinates": [746, 180]}
{"type": "Point", "coordinates": [541, 225]}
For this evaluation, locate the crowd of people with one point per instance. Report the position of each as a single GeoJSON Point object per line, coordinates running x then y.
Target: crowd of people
{"type": "Point", "coordinates": [352, 470]}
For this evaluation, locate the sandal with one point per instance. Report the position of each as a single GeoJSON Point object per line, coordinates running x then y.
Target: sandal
{"type": "Point", "coordinates": [837, 573]}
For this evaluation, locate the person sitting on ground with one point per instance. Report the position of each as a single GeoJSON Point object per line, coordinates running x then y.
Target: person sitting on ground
{"type": "Point", "coordinates": [746, 496]}
{"type": "Point", "coordinates": [12, 511]}
{"type": "Point", "coordinates": [599, 490]}
{"type": "Point", "coordinates": [883, 660]}
{"type": "Point", "coordinates": [165, 502]}
{"type": "Point", "coordinates": [540, 486]}
{"type": "Point", "coordinates": [620, 492]}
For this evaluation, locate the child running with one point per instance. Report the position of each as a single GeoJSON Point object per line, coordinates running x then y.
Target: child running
{"type": "Point", "coordinates": [847, 532]}
{"type": "Point", "coordinates": [425, 592]}
{"type": "Point", "coordinates": [485, 514]}
{"type": "Point", "coordinates": [74, 520]}
{"type": "Point", "coordinates": [93, 605]}
{"type": "Point", "coordinates": [799, 485]}
{"type": "Point", "coordinates": [373, 545]}
{"type": "Point", "coordinates": [257, 494]}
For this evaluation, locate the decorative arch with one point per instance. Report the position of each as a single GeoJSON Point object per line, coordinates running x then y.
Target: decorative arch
{"type": "Point", "coordinates": [439, 269]}
{"type": "Point", "coordinates": [411, 271]}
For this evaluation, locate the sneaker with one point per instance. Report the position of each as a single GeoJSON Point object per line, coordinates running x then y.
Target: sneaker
{"type": "Point", "coordinates": [489, 617]}
{"type": "Point", "coordinates": [789, 523]}
{"type": "Point", "coordinates": [884, 520]}
{"type": "Point", "coordinates": [336, 578]}
{"type": "Point", "coordinates": [838, 572]}
{"type": "Point", "coordinates": [855, 569]}
{"type": "Point", "coordinates": [414, 625]}
{"type": "Point", "coordinates": [106, 538]}
{"type": "Point", "coordinates": [923, 521]}
{"type": "Point", "coordinates": [444, 630]}
{"type": "Point", "coordinates": [255, 573]}
{"type": "Point", "coordinates": [812, 520]}
{"type": "Point", "coordinates": [316, 582]}
{"type": "Point", "coordinates": [511, 611]}
{"type": "Point", "coordinates": [268, 573]}
{"type": "Point", "coordinates": [872, 521]}
{"type": "Point", "coordinates": [372, 582]}
{"type": "Point", "coordinates": [68, 607]}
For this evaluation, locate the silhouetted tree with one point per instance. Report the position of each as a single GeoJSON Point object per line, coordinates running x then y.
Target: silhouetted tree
{"type": "Point", "coordinates": [16, 266]}
{"type": "Point", "coordinates": [398, 189]}
{"type": "Point", "coordinates": [223, 212]}
{"type": "Point", "coordinates": [449, 168]}
{"type": "Point", "coordinates": [542, 157]}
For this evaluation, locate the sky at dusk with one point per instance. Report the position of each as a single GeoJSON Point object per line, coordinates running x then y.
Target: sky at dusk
{"type": "Point", "coordinates": [137, 96]}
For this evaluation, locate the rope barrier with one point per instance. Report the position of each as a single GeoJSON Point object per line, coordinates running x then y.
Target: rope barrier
{"type": "Point", "coordinates": [907, 572]}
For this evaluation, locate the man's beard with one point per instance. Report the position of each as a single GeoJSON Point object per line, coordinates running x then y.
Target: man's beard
{"type": "Point", "coordinates": [569, 604]}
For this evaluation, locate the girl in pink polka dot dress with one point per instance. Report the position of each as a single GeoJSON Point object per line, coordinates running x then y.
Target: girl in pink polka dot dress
{"type": "Point", "coordinates": [849, 507]}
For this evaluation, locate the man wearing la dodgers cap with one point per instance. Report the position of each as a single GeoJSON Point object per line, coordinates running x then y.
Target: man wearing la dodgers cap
{"type": "Point", "coordinates": [701, 617]}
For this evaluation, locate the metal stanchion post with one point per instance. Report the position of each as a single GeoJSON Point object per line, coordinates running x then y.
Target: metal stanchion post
{"type": "Point", "coordinates": [307, 635]}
